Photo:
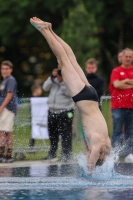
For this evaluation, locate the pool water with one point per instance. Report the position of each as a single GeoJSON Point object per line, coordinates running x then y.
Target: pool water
{"type": "Point", "coordinates": [73, 194]}
{"type": "Point", "coordinates": [66, 182]}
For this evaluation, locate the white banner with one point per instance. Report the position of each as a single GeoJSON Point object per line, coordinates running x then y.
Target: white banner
{"type": "Point", "coordinates": [39, 117]}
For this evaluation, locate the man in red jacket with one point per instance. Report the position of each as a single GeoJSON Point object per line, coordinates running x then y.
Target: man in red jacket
{"type": "Point", "coordinates": [121, 82]}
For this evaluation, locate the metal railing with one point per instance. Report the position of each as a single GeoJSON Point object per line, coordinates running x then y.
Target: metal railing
{"type": "Point", "coordinates": [23, 127]}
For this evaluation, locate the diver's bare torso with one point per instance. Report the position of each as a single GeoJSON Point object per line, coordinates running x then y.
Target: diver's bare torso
{"type": "Point", "coordinates": [92, 120]}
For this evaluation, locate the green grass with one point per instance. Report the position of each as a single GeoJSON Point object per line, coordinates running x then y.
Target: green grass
{"type": "Point", "coordinates": [22, 132]}
{"type": "Point", "coordinates": [106, 110]}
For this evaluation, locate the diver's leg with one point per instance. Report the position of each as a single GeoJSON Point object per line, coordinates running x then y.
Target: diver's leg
{"type": "Point", "coordinates": [71, 57]}
{"type": "Point", "coordinates": [70, 75]}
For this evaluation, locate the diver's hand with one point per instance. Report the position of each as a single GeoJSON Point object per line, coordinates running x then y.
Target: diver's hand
{"type": "Point", "coordinates": [99, 148]}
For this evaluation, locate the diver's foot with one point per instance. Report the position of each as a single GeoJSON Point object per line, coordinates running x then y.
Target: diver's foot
{"type": "Point", "coordinates": [39, 24]}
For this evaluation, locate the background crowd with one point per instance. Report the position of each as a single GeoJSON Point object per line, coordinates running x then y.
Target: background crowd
{"type": "Point", "coordinates": [61, 107]}
{"type": "Point", "coordinates": [95, 41]}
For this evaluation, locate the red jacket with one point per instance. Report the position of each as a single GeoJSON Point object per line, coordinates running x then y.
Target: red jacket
{"type": "Point", "coordinates": [121, 98]}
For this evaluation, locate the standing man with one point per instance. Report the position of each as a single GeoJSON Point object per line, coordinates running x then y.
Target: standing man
{"type": "Point", "coordinates": [121, 81]}
{"type": "Point", "coordinates": [97, 82]}
{"type": "Point", "coordinates": [119, 56]}
{"type": "Point", "coordinates": [36, 91]}
{"type": "Point", "coordinates": [60, 116]}
{"type": "Point", "coordinates": [91, 66]}
{"type": "Point", "coordinates": [8, 109]}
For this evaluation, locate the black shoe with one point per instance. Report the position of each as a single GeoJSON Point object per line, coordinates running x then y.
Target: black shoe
{"type": "Point", "coordinates": [50, 158]}
{"type": "Point", "coordinates": [2, 159]}
{"type": "Point", "coordinates": [8, 160]}
{"type": "Point", "coordinates": [65, 160]}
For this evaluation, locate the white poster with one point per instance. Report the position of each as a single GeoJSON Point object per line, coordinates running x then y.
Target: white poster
{"type": "Point", "coordinates": [39, 117]}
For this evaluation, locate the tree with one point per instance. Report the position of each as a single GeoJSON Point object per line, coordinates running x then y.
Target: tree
{"type": "Point", "coordinates": [97, 28]}
{"type": "Point", "coordinates": [114, 22]}
{"type": "Point", "coordinates": [22, 44]}
{"type": "Point", "coordinates": [80, 31]}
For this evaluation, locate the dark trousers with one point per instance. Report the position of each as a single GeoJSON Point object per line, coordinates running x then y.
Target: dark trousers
{"type": "Point", "coordinates": [31, 142]}
{"type": "Point", "coordinates": [120, 117]}
{"type": "Point", "coordinates": [60, 124]}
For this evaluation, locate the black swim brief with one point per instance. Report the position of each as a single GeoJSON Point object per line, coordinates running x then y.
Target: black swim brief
{"type": "Point", "coordinates": [87, 93]}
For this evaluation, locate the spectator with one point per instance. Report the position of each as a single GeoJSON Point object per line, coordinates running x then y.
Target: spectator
{"type": "Point", "coordinates": [97, 82]}
{"type": "Point", "coordinates": [121, 81]}
{"type": "Point", "coordinates": [119, 56]}
{"type": "Point", "coordinates": [8, 109]}
{"type": "Point", "coordinates": [60, 116]}
{"type": "Point", "coordinates": [36, 91]}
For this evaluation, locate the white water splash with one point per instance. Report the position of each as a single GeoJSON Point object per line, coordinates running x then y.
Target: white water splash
{"type": "Point", "coordinates": [104, 172]}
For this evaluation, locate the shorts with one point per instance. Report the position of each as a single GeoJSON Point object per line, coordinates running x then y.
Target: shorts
{"type": "Point", "coordinates": [6, 120]}
{"type": "Point", "coordinates": [87, 93]}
